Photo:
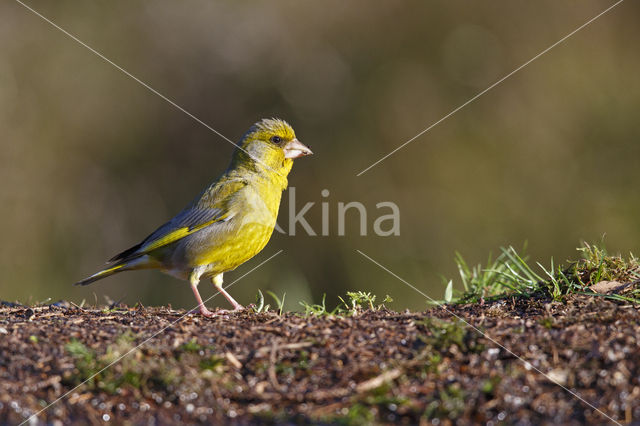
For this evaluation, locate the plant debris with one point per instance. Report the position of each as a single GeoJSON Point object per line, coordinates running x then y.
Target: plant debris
{"type": "Point", "coordinates": [371, 366]}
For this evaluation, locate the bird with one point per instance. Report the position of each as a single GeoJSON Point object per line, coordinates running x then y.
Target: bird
{"type": "Point", "coordinates": [228, 223]}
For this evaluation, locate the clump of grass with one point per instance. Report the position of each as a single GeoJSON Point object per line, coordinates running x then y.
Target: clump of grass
{"type": "Point", "coordinates": [597, 265]}
{"type": "Point", "coordinates": [279, 301]}
{"type": "Point", "coordinates": [354, 303]}
{"type": "Point", "coordinates": [319, 309]}
{"type": "Point", "coordinates": [358, 301]}
{"type": "Point", "coordinates": [510, 274]}
{"type": "Point", "coordinates": [261, 307]}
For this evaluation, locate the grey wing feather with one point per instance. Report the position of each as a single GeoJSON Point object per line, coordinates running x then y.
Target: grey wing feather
{"type": "Point", "coordinates": [195, 215]}
{"type": "Point", "coordinates": [188, 218]}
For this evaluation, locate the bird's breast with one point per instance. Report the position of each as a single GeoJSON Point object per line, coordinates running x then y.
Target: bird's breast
{"type": "Point", "coordinates": [243, 236]}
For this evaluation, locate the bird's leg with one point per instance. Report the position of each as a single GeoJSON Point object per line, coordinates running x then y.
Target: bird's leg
{"type": "Point", "coordinates": [217, 281]}
{"type": "Point", "coordinates": [194, 279]}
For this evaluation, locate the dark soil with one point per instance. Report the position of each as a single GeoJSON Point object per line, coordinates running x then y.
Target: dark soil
{"type": "Point", "coordinates": [373, 367]}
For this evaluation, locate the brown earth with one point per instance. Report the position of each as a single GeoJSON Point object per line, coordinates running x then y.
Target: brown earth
{"type": "Point", "coordinates": [371, 367]}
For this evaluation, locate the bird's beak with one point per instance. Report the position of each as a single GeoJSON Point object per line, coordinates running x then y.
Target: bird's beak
{"type": "Point", "coordinates": [295, 149]}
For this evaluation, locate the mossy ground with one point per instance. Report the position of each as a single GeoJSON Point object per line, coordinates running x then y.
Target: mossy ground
{"type": "Point", "coordinates": [375, 366]}
{"type": "Point", "coordinates": [514, 348]}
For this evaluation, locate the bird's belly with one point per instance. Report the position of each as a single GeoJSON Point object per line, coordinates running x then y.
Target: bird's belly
{"type": "Point", "coordinates": [225, 245]}
{"type": "Point", "coordinates": [248, 241]}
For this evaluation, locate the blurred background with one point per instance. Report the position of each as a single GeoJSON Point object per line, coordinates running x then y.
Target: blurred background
{"type": "Point", "coordinates": [91, 162]}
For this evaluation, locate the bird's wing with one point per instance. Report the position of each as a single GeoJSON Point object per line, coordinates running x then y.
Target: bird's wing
{"type": "Point", "coordinates": [216, 204]}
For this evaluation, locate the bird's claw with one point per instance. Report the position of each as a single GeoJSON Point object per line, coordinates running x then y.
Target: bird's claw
{"type": "Point", "coordinates": [230, 311]}
{"type": "Point", "coordinates": [209, 314]}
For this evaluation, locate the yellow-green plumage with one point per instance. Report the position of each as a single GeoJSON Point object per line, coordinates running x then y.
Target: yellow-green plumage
{"type": "Point", "coordinates": [229, 222]}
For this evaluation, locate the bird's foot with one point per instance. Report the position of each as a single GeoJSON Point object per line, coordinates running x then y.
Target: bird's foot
{"type": "Point", "coordinates": [238, 307]}
{"type": "Point", "coordinates": [202, 310]}
{"type": "Point", "coordinates": [206, 313]}
{"type": "Point", "coordinates": [230, 311]}
{"type": "Point", "coordinates": [209, 314]}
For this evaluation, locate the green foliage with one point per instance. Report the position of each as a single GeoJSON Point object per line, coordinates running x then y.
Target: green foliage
{"type": "Point", "coordinates": [118, 366]}
{"type": "Point", "coordinates": [191, 346]}
{"type": "Point", "coordinates": [448, 292]}
{"type": "Point", "coordinates": [359, 301]}
{"type": "Point", "coordinates": [358, 414]}
{"type": "Point", "coordinates": [315, 309]}
{"type": "Point", "coordinates": [304, 362]}
{"type": "Point", "coordinates": [368, 408]}
{"type": "Point", "coordinates": [85, 361]}
{"type": "Point", "coordinates": [597, 265]}
{"type": "Point", "coordinates": [356, 302]}
{"type": "Point", "coordinates": [511, 275]}
{"type": "Point", "coordinates": [450, 403]}
{"type": "Point", "coordinates": [432, 362]}
{"type": "Point", "coordinates": [444, 333]}
{"type": "Point", "coordinates": [124, 364]}
{"type": "Point", "coordinates": [489, 386]}
{"type": "Point", "coordinates": [213, 363]}
{"type": "Point", "coordinates": [546, 322]}
{"type": "Point", "coordinates": [279, 302]}
{"type": "Point", "coordinates": [261, 307]}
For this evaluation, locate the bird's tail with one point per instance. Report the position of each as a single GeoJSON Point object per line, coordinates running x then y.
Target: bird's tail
{"type": "Point", "coordinates": [103, 274]}
{"type": "Point", "coordinates": [139, 262]}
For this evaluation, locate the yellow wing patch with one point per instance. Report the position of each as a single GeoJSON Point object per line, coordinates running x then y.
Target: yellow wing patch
{"type": "Point", "coordinates": [178, 234]}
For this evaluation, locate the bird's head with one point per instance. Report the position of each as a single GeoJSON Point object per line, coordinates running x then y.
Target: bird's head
{"type": "Point", "coordinates": [271, 143]}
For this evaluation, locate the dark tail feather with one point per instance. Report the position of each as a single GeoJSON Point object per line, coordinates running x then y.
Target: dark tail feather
{"type": "Point", "coordinates": [102, 274]}
{"type": "Point", "coordinates": [127, 254]}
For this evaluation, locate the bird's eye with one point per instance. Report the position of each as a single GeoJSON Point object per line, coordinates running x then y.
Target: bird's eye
{"type": "Point", "coordinates": [276, 139]}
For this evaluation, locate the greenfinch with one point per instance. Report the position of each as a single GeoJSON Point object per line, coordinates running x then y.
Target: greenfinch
{"type": "Point", "coordinates": [228, 223]}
